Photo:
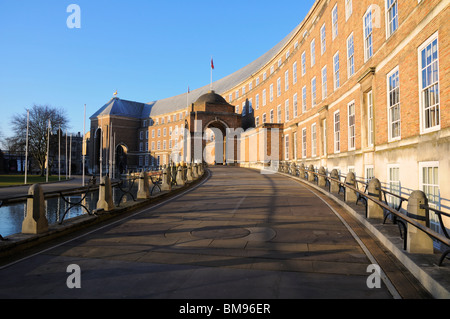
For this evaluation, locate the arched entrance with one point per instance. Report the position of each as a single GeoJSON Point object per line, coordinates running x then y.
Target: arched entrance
{"type": "Point", "coordinates": [215, 140]}
{"type": "Point", "coordinates": [121, 159]}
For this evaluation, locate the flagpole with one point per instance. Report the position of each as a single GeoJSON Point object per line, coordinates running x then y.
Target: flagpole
{"type": "Point", "coordinates": [84, 143]}
{"type": "Point", "coordinates": [48, 149]}
{"type": "Point", "coordinates": [66, 158]}
{"type": "Point", "coordinates": [26, 147]}
{"type": "Point", "coordinates": [212, 67]}
{"type": "Point", "coordinates": [70, 158]}
{"type": "Point", "coordinates": [59, 153]}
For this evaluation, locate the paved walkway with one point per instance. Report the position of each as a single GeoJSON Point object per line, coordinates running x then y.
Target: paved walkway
{"type": "Point", "coordinates": [240, 234]}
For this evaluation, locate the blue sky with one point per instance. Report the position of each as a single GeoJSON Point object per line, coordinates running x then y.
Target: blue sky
{"type": "Point", "coordinates": [147, 50]}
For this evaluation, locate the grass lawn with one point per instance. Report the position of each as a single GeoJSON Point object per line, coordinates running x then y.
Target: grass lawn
{"type": "Point", "coordinates": [12, 180]}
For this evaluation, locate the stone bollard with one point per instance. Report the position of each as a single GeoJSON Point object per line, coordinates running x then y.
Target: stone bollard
{"type": "Point", "coordinates": [166, 183]}
{"type": "Point", "coordinates": [374, 210]}
{"type": "Point", "coordinates": [189, 177]}
{"type": "Point", "coordinates": [321, 180]}
{"type": "Point", "coordinates": [311, 173]}
{"type": "Point", "coordinates": [180, 179]}
{"type": "Point", "coordinates": [200, 170]}
{"type": "Point", "coordinates": [302, 171]}
{"type": "Point", "coordinates": [35, 221]}
{"type": "Point", "coordinates": [350, 194]}
{"type": "Point", "coordinates": [418, 242]}
{"type": "Point", "coordinates": [195, 171]}
{"type": "Point", "coordinates": [143, 187]}
{"type": "Point", "coordinates": [334, 185]}
{"type": "Point", "coordinates": [105, 198]}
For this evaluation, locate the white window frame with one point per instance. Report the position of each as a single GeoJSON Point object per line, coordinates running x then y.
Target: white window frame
{"type": "Point", "coordinates": [294, 73]}
{"type": "Point", "coordinates": [391, 22]}
{"type": "Point", "coordinates": [334, 22]}
{"type": "Point", "coordinates": [434, 198]}
{"type": "Point", "coordinates": [303, 63]}
{"type": "Point", "coordinates": [304, 99]}
{"type": "Point", "coordinates": [313, 92]}
{"type": "Point", "coordinates": [272, 119]}
{"type": "Point", "coordinates": [393, 185]}
{"type": "Point", "coordinates": [279, 119]}
{"type": "Point", "coordinates": [286, 147]}
{"type": "Point", "coordinates": [324, 83]}
{"type": "Point", "coordinates": [271, 93]}
{"type": "Point", "coordinates": [257, 101]}
{"type": "Point", "coordinates": [264, 97]}
{"type": "Point", "coordinates": [294, 141]}
{"type": "Point", "coordinates": [313, 52]}
{"type": "Point", "coordinates": [350, 55]}
{"type": "Point", "coordinates": [337, 133]}
{"type": "Point", "coordinates": [348, 9]}
{"type": "Point", "coordinates": [313, 140]}
{"type": "Point", "coordinates": [278, 87]}
{"type": "Point", "coordinates": [295, 104]}
{"type": "Point", "coordinates": [304, 143]}
{"type": "Point", "coordinates": [369, 172]}
{"type": "Point", "coordinates": [286, 110]}
{"type": "Point", "coordinates": [351, 123]}
{"type": "Point", "coordinates": [336, 75]}
{"type": "Point", "coordinates": [286, 80]}
{"type": "Point", "coordinates": [368, 34]}
{"type": "Point", "coordinates": [323, 39]}
{"type": "Point", "coordinates": [391, 107]}
{"type": "Point", "coordinates": [423, 46]}
{"type": "Point", "coordinates": [370, 119]}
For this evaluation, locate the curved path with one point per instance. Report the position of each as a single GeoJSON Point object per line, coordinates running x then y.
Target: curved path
{"type": "Point", "coordinates": [240, 234]}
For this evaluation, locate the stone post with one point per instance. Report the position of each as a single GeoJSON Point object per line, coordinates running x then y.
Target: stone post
{"type": "Point", "coordinates": [195, 171]}
{"type": "Point", "coordinates": [417, 241]}
{"type": "Point", "coordinates": [143, 186]}
{"type": "Point", "coordinates": [105, 198]}
{"type": "Point", "coordinates": [311, 173]}
{"type": "Point", "coordinates": [334, 185]}
{"type": "Point", "coordinates": [302, 171]}
{"type": "Point", "coordinates": [350, 194]}
{"type": "Point", "coordinates": [189, 177]}
{"type": "Point", "coordinates": [35, 221]}
{"type": "Point", "coordinates": [166, 183]}
{"type": "Point", "coordinates": [180, 179]}
{"type": "Point", "coordinates": [374, 210]}
{"type": "Point", "coordinates": [321, 180]}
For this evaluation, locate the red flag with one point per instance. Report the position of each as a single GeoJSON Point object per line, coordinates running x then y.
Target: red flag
{"type": "Point", "coordinates": [212, 64]}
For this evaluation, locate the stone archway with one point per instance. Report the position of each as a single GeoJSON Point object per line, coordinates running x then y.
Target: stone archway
{"type": "Point", "coordinates": [121, 159]}
{"type": "Point", "coordinates": [215, 139]}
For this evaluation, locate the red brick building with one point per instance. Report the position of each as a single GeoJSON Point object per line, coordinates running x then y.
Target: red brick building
{"type": "Point", "coordinates": [359, 86]}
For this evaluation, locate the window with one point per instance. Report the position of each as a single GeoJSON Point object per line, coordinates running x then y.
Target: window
{"type": "Point", "coordinates": [286, 147]}
{"type": "Point", "coordinates": [313, 92]}
{"type": "Point", "coordinates": [257, 121]}
{"type": "Point", "coordinates": [158, 145]}
{"type": "Point", "coordinates": [337, 82]}
{"type": "Point", "coordinates": [369, 173]}
{"type": "Point", "coordinates": [370, 130]}
{"type": "Point", "coordinates": [286, 110]}
{"type": "Point", "coordinates": [429, 85]}
{"type": "Point", "coordinates": [350, 56]}
{"type": "Point", "coordinates": [257, 101]}
{"type": "Point", "coordinates": [351, 125]}
{"type": "Point", "coordinates": [303, 63]}
{"type": "Point", "coordinates": [230, 97]}
{"type": "Point", "coordinates": [391, 17]}
{"type": "Point", "coordinates": [294, 73]}
{"type": "Point", "coordinates": [264, 76]}
{"type": "Point", "coordinates": [304, 99]}
{"type": "Point", "coordinates": [271, 116]}
{"type": "Point", "coordinates": [278, 86]}
{"type": "Point", "coordinates": [264, 97]}
{"type": "Point", "coordinates": [337, 132]}
{"type": "Point", "coordinates": [429, 184]}
{"type": "Point", "coordinates": [394, 184]}
{"type": "Point", "coordinates": [244, 109]}
{"type": "Point", "coordinates": [324, 82]}
{"type": "Point", "coordinates": [141, 160]}
{"type": "Point", "coordinates": [141, 147]}
{"type": "Point", "coordinates": [304, 143]}
{"type": "Point", "coordinates": [295, 102]}
{"type": "Point", "coordinates": [164, 132]}
{"type": "Point", "coordinates": [323, 41]}
{"type": "Point", "coordinates": [334, 22]}
{"type": "Point", "coordinates": [286, 80]}
{"type": "Point", "coordinates": [237, 109]}
{"type": "Point", "coordinates": [243, 90]}
{"type": "Point", "coordinates": [313, 52]}
{"type": "Point", "coordinates": [250, 105]}
{"type": "Point", "coordinates": [295, 145]}
{"type": "Point", "coordinates": [279, 113]}
{"type": "Point", "coordinates": [368, 50]}
{"type": "Point", "coordinates": [153, 146]}
{"type": "Point", "coordinates": [141, 135]}
{"type": "Point", "coordinates": [348, 9]}
{"type": "Point", "coordinates": [279, 62]}
{"type": "Point", "coordinates": [153, 133]}
{"type": "Point", "coordinates": [313, 140]}
{"type": "Point", "coordinates": [257, 81]}
{"type": "Point", "coordinates": [250, 86]}
{"type": "Point", "coordinates": [159, 132]}
{"type": "Point", "coordinates": [237, 94]}
{"type": "Point", "coordinates": [164, 145]}
{"type": "Point", "coordinates": [271, 92]}
{"type": "Point", "coordinates": [393, 91]}
{"type": "Point", "coordinates": [264, 118]}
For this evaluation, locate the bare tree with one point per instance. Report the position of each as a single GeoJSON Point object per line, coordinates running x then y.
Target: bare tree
{"type": "Point", "coordinates": [38, 128]}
